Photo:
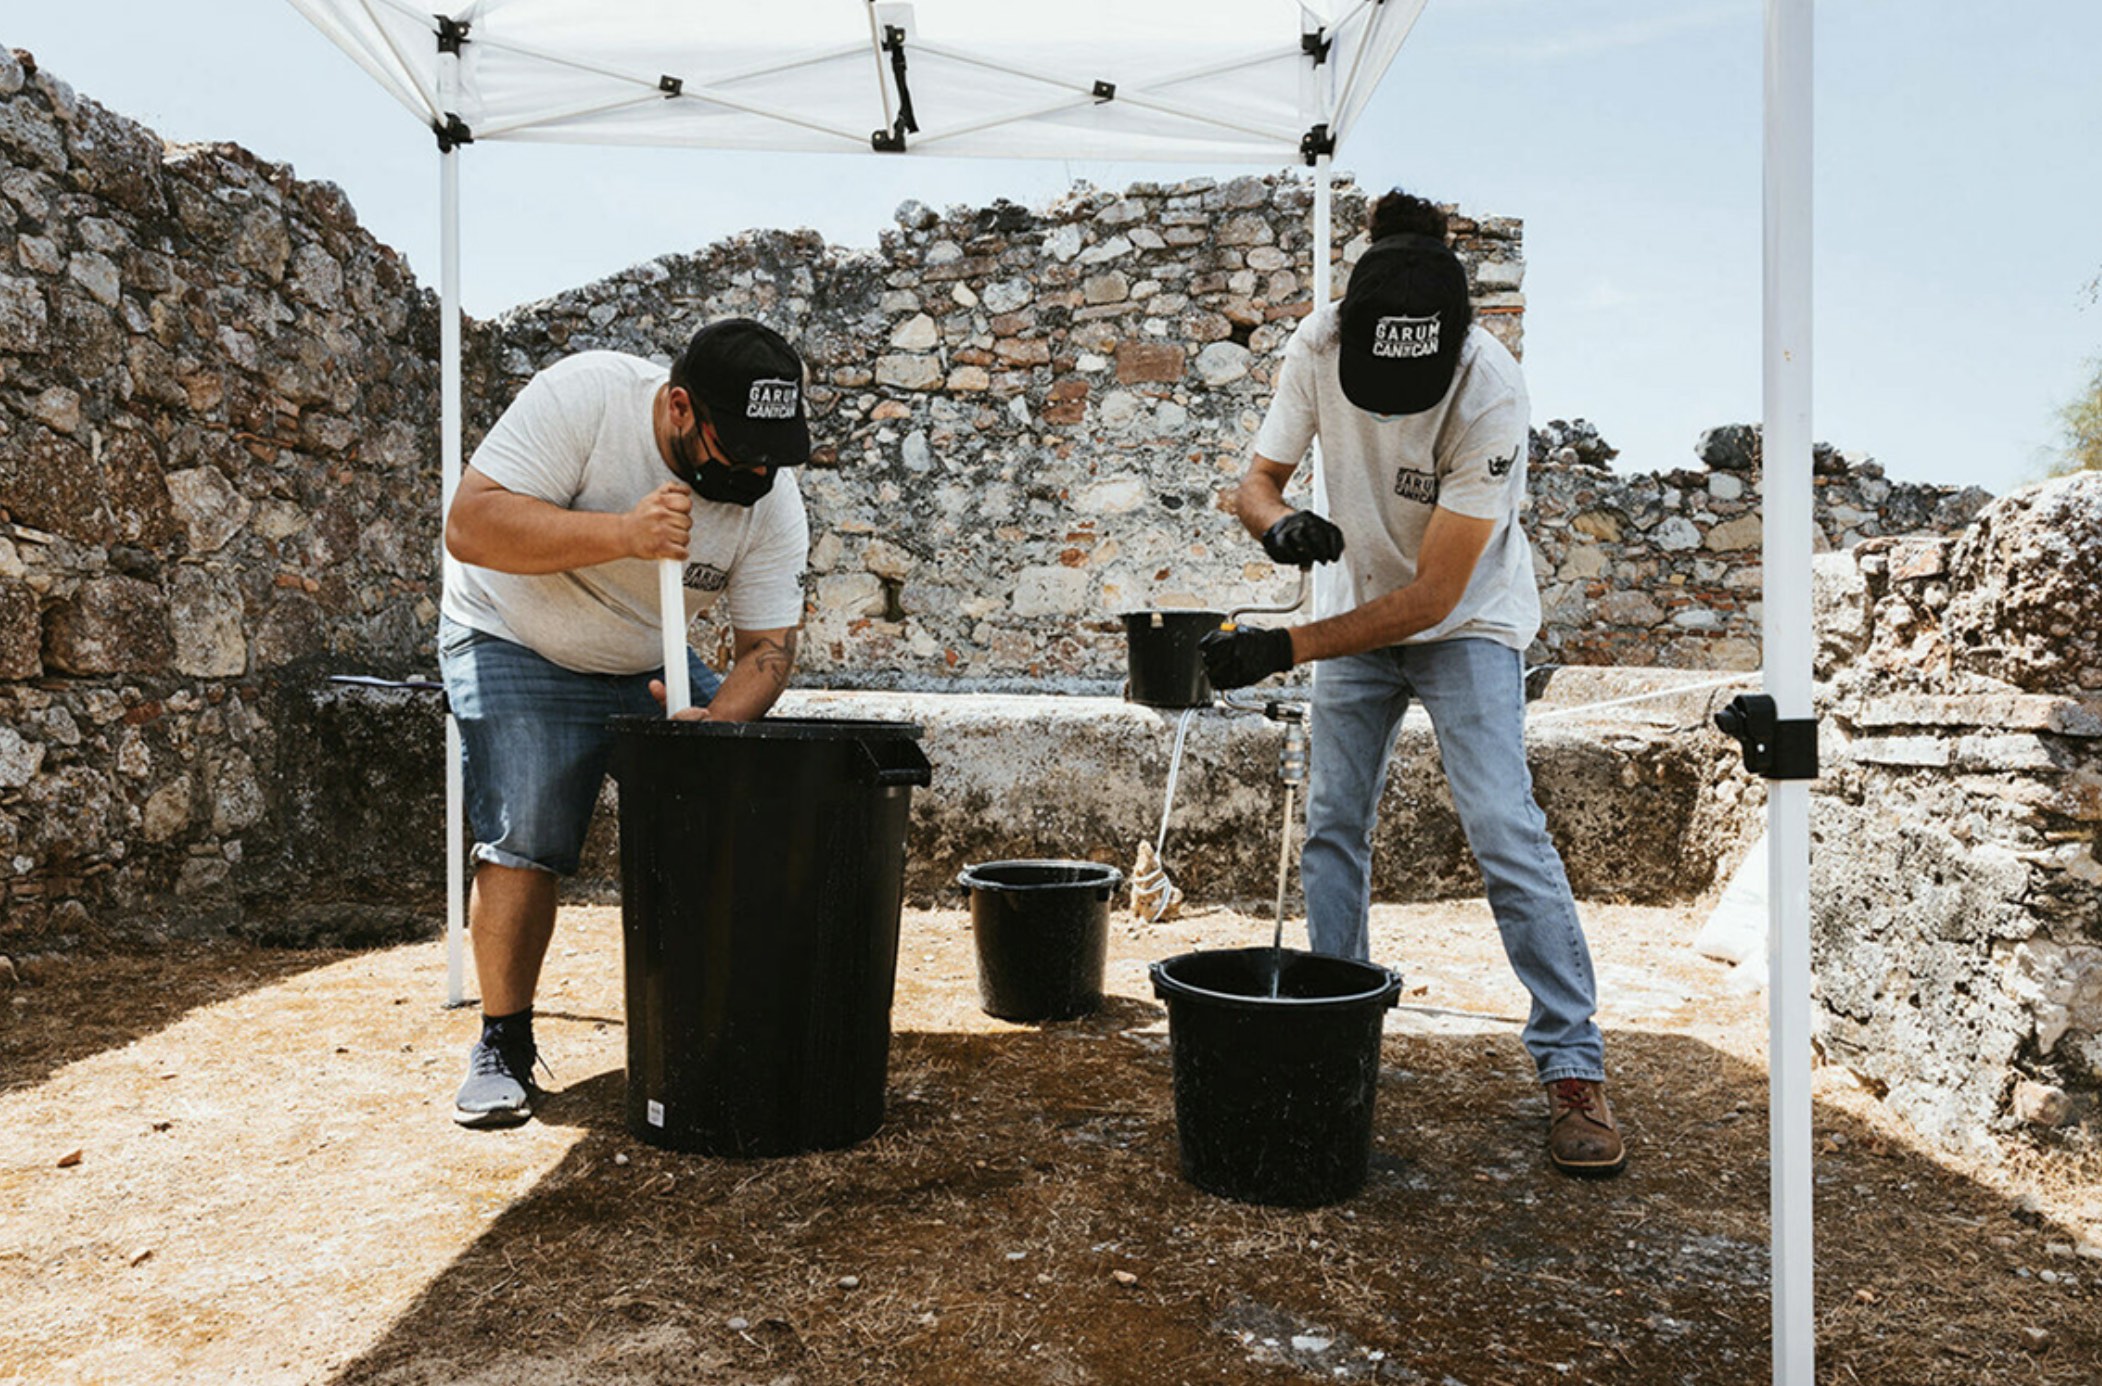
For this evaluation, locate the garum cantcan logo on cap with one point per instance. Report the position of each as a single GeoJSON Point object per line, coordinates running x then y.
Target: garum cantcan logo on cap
{"type": "Point", "coordinates": [772, 399]}
{"type": "Point", "coordinates": [1405, 338]}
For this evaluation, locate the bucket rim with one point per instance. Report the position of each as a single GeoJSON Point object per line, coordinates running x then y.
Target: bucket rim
{"type": "Point", "coordinates": [1386, 993]}
{"type": "Point", "coordinates": [769, 728]}
{"type": "Point", "coordinates": [1112, 876]}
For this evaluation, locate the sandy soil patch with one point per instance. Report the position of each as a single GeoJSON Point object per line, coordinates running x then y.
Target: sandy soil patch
{"type": "Point", "coordinates": [268, 1188]}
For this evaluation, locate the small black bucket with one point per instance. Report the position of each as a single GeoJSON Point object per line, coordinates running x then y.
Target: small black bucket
{"type": "Point", "coordinates": [1273, 1095]}
{"type": "Point", "coordinates": [1042, 929]}
{"type": "Point", "coordinates": [1163, 662]}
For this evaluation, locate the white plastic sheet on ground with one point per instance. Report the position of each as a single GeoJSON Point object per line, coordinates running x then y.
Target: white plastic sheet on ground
{"type": "Point", "coordinates": [1735, 931]}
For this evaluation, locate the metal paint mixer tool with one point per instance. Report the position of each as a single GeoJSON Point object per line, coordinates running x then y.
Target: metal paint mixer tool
{"type": "Point", "coordinates": [1154, 894]}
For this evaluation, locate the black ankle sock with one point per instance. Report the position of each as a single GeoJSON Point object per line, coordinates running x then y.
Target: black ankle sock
{"type": "Point", "coordinates": [508, 1031]}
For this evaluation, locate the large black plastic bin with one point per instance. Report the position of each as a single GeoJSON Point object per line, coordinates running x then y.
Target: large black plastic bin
{"type": "Point", "coordinates": [762, 871]}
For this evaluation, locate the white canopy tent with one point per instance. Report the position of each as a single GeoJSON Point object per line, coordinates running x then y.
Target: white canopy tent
{"type": "Point", "coordinates": [1266, 83]}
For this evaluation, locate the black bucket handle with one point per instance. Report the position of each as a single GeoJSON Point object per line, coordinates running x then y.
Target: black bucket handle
{"type": "Point", "coordinates": [1387, 994]}
{"type": "Point", "coordinates": [894, 761]}
{"type": "Point", "coordinates": [1108, 880]}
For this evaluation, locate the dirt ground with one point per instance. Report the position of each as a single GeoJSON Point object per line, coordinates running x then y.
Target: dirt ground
{"type": "Point", "coordinates": [220, 1163]}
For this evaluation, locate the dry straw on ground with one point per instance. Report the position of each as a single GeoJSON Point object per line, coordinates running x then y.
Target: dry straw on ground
{"type": "Point", "coordinates": [269, 1189]}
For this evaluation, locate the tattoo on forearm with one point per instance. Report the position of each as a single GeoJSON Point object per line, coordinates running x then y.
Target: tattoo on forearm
{"type": "Point", "coordinates": [775, 659]}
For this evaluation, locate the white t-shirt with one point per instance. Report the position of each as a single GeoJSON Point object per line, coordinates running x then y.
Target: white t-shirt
{"type": "Point", "coordinates": [580, 435]}
{"type": "Point", "coordinates": [1384, 476]}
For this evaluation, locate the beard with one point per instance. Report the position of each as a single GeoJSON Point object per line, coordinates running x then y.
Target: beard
{"type": "Point", "coordinates": [717, 481]}
{"type": "Point", "coordinates": [686, 456]}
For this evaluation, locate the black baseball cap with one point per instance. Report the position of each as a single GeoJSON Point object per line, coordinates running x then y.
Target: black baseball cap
{"type": "Point", "coordinates": [750, 380]}
{"type": "Point", "coordinates": [1404, 318]}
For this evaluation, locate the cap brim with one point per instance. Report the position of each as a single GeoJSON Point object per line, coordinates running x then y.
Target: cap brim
{"type": "Point", "coordinates": [1394, 387]}
{"type": "Point", "coordinates": [764, 443]}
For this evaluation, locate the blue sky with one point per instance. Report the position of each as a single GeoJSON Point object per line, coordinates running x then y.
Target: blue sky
{"type": "Point", "coordinates": [1958, 200]}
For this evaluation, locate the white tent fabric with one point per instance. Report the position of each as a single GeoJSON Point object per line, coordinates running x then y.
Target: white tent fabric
{"type": "Point", "coordinates": [1187, 81]}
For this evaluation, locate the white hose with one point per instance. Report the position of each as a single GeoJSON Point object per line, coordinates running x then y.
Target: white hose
{"type": "Point", "coordinates": [1156, 883]}
{"type": "Point", "coordinates": [1182, 729]}
{"type": "Point", "coordinates": [1745, 677]}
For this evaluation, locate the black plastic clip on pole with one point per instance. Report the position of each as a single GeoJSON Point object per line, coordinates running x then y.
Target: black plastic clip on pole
{"type": "Point", "coordinates": [1774, 748]}
{"type": "Point", "coordinates": [451, 132]}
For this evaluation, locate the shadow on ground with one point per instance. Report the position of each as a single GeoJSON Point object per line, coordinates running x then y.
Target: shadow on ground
{"type": "Point", "coordinates": [1020, 1218]}
{"type": "Point", "coordinates": [69, 1007]}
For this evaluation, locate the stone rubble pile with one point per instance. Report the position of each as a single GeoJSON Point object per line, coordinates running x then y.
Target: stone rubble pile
{"type": "Point", "coordinates": [1956, 880]}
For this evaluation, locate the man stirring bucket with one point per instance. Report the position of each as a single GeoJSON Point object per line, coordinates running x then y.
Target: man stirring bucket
{"type": "Point", "coordinates": [1426, 592]}
{"type": "Point", "coordinates": [552, 620]}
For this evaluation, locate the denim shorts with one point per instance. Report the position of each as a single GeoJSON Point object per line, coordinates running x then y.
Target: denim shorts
{"type": "Point", "coordinates": [534, 741]}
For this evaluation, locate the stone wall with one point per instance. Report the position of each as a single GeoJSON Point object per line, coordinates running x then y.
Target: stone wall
{"type": "Point", "coordinates": [1956, 880]}
{"type": "Point", "coordinates": [218, 472]}
{"type": "Point", "coordinates": [1026, 420]}
{"type": "Point", "coordinates": [1031, 776]}
{"type": "Point", "coordinates": [216, 468]}
{"type": "Point", "coordinates": [1664, 568]}
{"type": "Point", "coordinates": [1030, 421]}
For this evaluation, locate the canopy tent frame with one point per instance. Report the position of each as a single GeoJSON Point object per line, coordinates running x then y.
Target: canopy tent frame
{"type": "Point", "coordinates": [1787, 498]}
{"type": "Point", "coordinates": [1375, 30]}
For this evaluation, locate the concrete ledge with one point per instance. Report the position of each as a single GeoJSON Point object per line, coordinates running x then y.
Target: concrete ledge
{"type": "Point", "coordinates": [1627, 792]}
{"type": "Point", "coordinates": [1640, 799]}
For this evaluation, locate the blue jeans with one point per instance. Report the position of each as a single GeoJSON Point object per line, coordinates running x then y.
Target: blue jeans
{"type": "Point", "coordinates": [534, 741]}
{"type": "Point", "coordinates": [1474, 691]}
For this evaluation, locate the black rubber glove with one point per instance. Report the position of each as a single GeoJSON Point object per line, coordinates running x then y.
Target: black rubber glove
{"type": "Point", "coordinates": [1302, 539]}
{"type": "Point", "coordinates": [1233, 658]}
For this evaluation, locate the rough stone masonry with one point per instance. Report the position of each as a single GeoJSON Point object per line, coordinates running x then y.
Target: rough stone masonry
{"type": "Point", "coordinates": [218, 486]}
{"type": "Point", "coordinates": [216, 482]}
{"type": "Point", "coordinates": [218, 478]}
{"type": "Point", "coordinates": [1030, 422]}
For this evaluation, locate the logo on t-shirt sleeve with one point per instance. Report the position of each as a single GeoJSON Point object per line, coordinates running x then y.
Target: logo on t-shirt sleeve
{"type": "Point", "coordinates": [1405, 338]}
{"type": "Point", "coordinates": [1501, 466]}
{"type": "Point", "coordinates": [772, 399]}
{"type": "Point", "coordinates": [706, 577]}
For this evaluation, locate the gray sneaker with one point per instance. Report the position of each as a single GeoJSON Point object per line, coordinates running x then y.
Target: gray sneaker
{"type": "Point", "coordinates": [499, 1090]}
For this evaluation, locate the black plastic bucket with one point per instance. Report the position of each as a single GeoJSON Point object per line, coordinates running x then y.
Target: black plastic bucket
{"type": "Point", "coordinates": [762, 870]}
{"type": "Point", "coordinates": [1163, 665]}
{"type": "Point", "coordinates": [1042, 929]}
{"type": "Point", "coordinates": [1274, 1095]}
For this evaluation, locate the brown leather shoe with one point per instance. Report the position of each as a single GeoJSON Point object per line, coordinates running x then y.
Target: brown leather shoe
{"type": "Point", "coordinates": [1582, 1137]}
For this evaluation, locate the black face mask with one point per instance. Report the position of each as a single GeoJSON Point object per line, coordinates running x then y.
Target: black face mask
{"type": "Point", "coordinates": [737, 485]}
{"type": "Point", "coordinates": [717, 481]}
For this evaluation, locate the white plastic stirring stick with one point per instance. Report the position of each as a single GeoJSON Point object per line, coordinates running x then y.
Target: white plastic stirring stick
{"type": "Point", "coordinates": [671, 596]}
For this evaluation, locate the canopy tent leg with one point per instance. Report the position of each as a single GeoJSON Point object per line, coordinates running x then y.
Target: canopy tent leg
{"type": "Point", "coordinates": [1786, 497]}
{"type": "Point", "coordinates": [449, 481]}
{"type": "Point", "coordinates": [1324, 229]}
{"type": "Point", "coordinates": [1324, 290]}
